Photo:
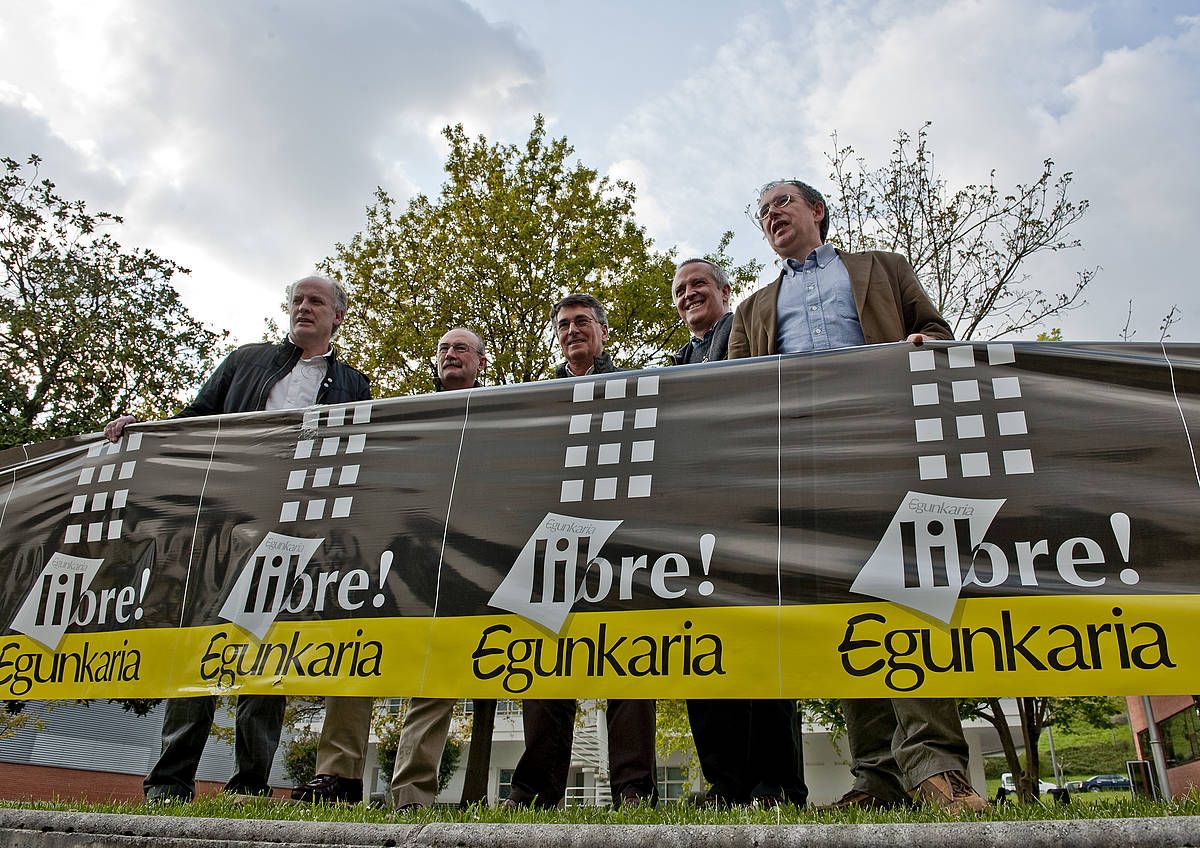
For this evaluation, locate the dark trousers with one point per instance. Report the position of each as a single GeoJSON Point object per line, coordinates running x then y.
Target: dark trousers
{"type": "Point", "coordinates": [186, 725]}
{"type": "Point", "coordinates": [541, 774]}
{"type": "Point", "coordinates": [749, 748]}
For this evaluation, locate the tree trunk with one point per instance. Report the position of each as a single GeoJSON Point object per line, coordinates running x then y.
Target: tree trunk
{"type": "Point", "coordinates": [479, 758]}
{"type": "Point", "coordinates": [1027, 786]}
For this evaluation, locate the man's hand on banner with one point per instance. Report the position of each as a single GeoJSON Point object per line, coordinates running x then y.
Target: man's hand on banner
{"type": "Point", "coordinates": [114, 428]}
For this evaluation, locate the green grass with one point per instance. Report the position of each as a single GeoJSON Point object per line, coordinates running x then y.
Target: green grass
{"type": "Point", "coordinates": [1098, 805]}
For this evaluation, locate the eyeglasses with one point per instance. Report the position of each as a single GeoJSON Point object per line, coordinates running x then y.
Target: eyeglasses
{"type": "Point", "coordinates": [765, 210]}
{"type": "Point", "coordinates": [457, 347]}
{"type": "Point", "coordinates": [581, 322]}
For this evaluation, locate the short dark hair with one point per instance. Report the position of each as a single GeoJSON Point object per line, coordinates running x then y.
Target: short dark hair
{"type": "Point", "coordinates": [809, 193]}
{"type": "Point", "coordinates": [580, 299]}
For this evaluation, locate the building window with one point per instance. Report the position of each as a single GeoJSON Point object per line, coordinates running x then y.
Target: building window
{"type": "Point", "coordinates": [672, 784]}
{"type": "Point", "coordinates": [1180, 735]}
{"type": "Point", "coordinates": [504, 786]}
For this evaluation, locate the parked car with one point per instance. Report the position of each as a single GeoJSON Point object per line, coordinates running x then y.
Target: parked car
{"type": "Point", "coordinates": [1109, 782]}
{"type": "Point", "coordinates": [1006, 780]}
{"type": "Point", "coordinates": [1074, 785]}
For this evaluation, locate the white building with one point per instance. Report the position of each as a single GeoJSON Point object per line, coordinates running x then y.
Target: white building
{"type": "Point", "coordinates": [826, 760]}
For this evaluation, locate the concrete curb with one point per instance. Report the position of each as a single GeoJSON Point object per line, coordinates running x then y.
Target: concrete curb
{"type": "Point", "coordinates": [27, 828]}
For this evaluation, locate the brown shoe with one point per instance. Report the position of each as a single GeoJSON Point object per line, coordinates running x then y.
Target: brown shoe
{"type": "Point", "coordinates": [856, 799]}
{"type": "Point", "coordinates": [952, 792]}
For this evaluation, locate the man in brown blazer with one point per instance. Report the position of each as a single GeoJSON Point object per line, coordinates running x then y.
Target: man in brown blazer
{"type": "Point", "coordinates": [826, 299]}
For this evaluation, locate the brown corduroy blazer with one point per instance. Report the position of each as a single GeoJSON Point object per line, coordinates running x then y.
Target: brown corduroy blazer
{"type": "Point", "coordinates": [891, 306]}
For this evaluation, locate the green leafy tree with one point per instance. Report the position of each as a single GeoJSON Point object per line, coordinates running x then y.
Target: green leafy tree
{"type": "Point", "coordinates": [673, 735]}
{"type": "Point", "coordinates": [515, 228]}
{"type": "Point", "coordinates": [88, 329]}
{"type": "Point", "coordinates": [1036, 715]}
{"type": "Point", "coordinates": [970, 246]}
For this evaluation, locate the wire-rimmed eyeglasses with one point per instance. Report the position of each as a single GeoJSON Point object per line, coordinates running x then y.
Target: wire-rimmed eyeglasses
{"type": "Point", "coordinates": [457, 347]}
{"type": "Point", "coordinates": [580, 322]}
{"type": "Point", "coordinates": [757, 215]}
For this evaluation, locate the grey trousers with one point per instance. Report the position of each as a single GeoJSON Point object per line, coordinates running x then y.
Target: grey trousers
{"type": "Point", "coordinates": [345, 734]}
{"type": "Point", "coordinates": [415, 776]}
{"type": "Point", "coordinates": [896, 743]}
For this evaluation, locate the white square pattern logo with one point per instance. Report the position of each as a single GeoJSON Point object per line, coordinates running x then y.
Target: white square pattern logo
{"type": "Point", "coordinates": [315, 493]}
{"type": "Point", "coordinates": [615, 460]}
{"type": "Point", "coordinates": [103, 490]}
{"type": "Point", "coordinates": [950, 424]}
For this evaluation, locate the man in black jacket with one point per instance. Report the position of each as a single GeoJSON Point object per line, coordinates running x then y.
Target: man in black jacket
{"type": "Point", "coordinates": [749, 749]}
{"type": "Point", "coordinates": [540, 778]}
{"type": "Point", "coordinates": [299, 371]}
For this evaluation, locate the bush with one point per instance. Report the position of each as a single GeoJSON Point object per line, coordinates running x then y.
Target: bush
{"type": "Point", "coordinates": [300, 757]}
{"type": "Point", "coordinates": [1088, 758]}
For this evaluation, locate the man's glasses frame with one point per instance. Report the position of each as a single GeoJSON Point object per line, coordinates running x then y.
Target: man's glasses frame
{"type": "Point", "coordinates": [457, 347]}
{"type": "Point", "coordinates": [757, 216]}
{"type": "Point", "coordinates": [581, 322]}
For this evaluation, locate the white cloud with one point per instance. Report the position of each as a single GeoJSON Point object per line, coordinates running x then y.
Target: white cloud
{"type": "Point", "coordinates": [1006, 84]}
{"type": "Point", "coordinates": [256, 131]}
{"type": "Point", "coordinates": [245, 138]}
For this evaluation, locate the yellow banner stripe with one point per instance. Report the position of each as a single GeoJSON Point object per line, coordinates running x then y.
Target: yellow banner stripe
{"type": "Point", "coordinates": [1051, 645]}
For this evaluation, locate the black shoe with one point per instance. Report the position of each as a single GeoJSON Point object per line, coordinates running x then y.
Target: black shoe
{"type": "Point", "coordinates": [167, 795]}
{"type": "Point", "coordinates": [329, 789]}
{"type": "Point", "coordinates": [631, 799]}
{"type": "Point", "coordinates": [248, 789]}
{"type": "Point", "coordinates": [767, 801]}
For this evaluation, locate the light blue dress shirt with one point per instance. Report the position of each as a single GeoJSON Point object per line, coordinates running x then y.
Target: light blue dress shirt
{"type": "Point", "coordinates": [815, 310]}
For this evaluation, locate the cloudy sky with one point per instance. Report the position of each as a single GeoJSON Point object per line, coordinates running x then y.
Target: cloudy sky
{"type": "Point", "coordinates": [244, 138]}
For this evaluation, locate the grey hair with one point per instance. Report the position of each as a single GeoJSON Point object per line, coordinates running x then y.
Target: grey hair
{"type": "Point", "coordinates": [717, 271]}
{"type": "Point", "coordinates": [809, 193]}
{"type": "Point", "coordinates": [581, 300]}
{"type": "Point", "coordinates": [341, 300]}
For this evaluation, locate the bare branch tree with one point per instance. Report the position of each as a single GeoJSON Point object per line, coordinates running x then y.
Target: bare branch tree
{"type": "Point", "coordinates": [1127, 333]}
{"type": "Point", "coordinates": [1169, 320]}
{"type": "Point", "coordinates": [969, 246]}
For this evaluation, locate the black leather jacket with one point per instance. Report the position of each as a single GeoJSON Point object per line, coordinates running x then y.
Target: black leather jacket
{"type": "Point", "coordinates": [242, 382]}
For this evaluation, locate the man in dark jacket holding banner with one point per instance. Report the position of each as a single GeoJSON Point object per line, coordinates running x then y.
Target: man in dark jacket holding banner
{"type": "Point", "coordinates": [300, 371]}
{"type": "Point", "coordinates": [750, 749]}
{"type": "Point", "coordinates": [825, 299]}
{"type": "Point", "coordinates": [540, 778]}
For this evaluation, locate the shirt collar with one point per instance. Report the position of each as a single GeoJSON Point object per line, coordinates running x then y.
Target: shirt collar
{"type": "Point", "coordinates": [822, 256]}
